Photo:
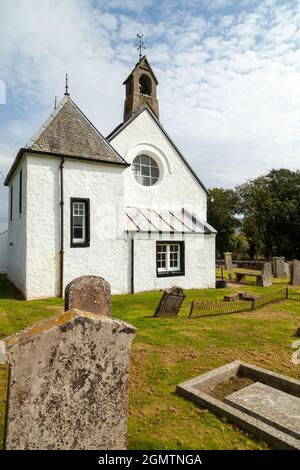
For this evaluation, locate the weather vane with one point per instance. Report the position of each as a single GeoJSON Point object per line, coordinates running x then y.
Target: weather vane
{"type": "Point", "coordinates": [140, 45]}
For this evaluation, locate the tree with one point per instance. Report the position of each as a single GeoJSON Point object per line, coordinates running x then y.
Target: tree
{"type": "Point", "coordinates": [221, 214]}
{"type": "Point", "coordinates": [270, 205]}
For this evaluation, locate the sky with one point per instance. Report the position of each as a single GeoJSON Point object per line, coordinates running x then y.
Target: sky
{"type": "Point", "coordinates": [228, 72]}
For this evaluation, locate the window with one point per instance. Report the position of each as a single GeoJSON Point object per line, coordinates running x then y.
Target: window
{"type": "Point", "coordinates": [170, 258]}
{"type": "Point", "coordinates": [80, 222]}
{"type": "Point", "coordinates": [11, 203]}
{"type": "Point", "coordinates": [145, 170]}
{"type": "Point", "coordinates": [20, 192]}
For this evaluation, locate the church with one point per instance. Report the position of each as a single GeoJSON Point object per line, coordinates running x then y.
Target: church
{"type": "Point", "coordinates": [128, 207]}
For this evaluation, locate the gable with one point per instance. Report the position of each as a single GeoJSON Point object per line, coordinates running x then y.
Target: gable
{"type": "Point", "coordinates": [119, 129]}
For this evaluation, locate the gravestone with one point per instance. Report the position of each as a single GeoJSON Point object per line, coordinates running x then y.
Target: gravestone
{"type": "Point", "coordinates": [270, 405]}
{"type": "Point", "coordinates": [287, 270]}
{"type": "Point", "coordinates": [89, 293]}
{"type": "Point", "coordinates": [266, 275]}
{"type": "Point", "coordinates": [170, 302]}
{"type": "Point", "coordinates": [228, 260]}
{"type": "Point", "coordinates": [278, 266]}
{"type": "Point", "coordinates": [295, 273]}
{"type": "Point", "coordinates": [68, 387]}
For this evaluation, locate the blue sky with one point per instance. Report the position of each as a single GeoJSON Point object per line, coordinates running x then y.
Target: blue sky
{"type": "Point", "coordinates": [228, 71]}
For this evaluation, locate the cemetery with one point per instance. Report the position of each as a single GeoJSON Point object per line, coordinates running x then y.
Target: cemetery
{"type": "Point", "coordinates": [152, 351]}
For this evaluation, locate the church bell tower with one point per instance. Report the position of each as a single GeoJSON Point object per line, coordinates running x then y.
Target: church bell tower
{"type": "Point", "coordinates": [140, 89]}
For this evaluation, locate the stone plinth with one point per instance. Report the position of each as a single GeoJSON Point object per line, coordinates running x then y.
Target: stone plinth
{"type": "Point", "coordinates": [68, 385]}
{"type": "Point", "coordinates": [272, 406]}
{"type": "Point", "coordinates": [89, 293]}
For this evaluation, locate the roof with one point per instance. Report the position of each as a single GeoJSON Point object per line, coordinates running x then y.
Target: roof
{"type": "Point", "coordinates": [165, 221]}
{"type": "Point", "coordinates": [68, 132]}
{"type": "Point", "coordinates": [121, 127]}
{"type": "Point", "coordinates": [143, 64]}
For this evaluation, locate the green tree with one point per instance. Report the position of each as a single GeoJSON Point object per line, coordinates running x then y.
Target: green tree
{"type": "Point", "coordinates": [270, 205]}
{"type": "Point", "coordinates": [221, 214]}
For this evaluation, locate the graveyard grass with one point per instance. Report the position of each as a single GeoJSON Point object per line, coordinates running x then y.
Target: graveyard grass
{"type": "Point", "coordinates": [166, 352]}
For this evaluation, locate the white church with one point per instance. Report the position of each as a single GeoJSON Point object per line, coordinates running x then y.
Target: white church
{"type": "Point", "coordinates": [128, 207]}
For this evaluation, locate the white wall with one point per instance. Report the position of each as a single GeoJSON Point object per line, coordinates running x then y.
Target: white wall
{"type": "Point", "coordinates": [16, 267]}
{"type": "Point", "coordinates": [3, 251]}
{"type": "Point", "coordinates": [176, 188]}
{"type": "Point", "coordinates": [107, 254]}
{"type": "Point", "coordinates": [199, 263]}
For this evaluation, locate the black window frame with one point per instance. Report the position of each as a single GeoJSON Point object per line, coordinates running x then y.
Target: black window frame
{"type": "Point", "coordinates": [182, 259]}
{"type": "Point", "coordinates": [20, 191]}
{"type": "Point", "coordinates": [86, 243]}
{"type": "Point", "coordinates": [11, 201]}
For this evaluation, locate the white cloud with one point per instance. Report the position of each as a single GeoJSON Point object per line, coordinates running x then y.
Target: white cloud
{"type": "Point", "coordinates": [229, 82]}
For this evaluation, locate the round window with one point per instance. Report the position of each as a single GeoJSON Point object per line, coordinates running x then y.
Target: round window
{"type": "Point", "coordinates": [145, 170]}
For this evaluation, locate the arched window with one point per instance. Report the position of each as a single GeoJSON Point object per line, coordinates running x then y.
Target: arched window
{"type": "Point", "coordinates": [145, 85]}
{"type": "Point", "coordinates": [145, 170]}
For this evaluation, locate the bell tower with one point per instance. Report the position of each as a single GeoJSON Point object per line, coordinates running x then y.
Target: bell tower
{"type": "Point", "coordinates": [140, 89]}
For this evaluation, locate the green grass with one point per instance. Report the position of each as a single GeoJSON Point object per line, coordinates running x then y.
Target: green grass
{"type": "Point", "coordinates": [166, 352]}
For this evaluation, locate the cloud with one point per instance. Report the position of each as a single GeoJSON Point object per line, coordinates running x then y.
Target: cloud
{"type": "Point", "coordinates": [228, 74]}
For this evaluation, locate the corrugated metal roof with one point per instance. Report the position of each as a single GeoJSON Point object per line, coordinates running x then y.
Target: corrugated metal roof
{"type": "Point", "coordinates": [140, 219]}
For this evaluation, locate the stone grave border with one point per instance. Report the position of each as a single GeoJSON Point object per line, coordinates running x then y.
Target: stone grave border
{"type": "Point", "coordinates": [197, 388]}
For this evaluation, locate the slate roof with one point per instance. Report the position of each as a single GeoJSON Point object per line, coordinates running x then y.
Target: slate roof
{"type": "Point", "coordinates": [68, 132]}
{"type": "Point", "coordinates": [140, 219]}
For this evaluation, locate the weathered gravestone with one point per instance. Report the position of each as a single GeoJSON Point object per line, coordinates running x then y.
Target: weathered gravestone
{"type": "Point", "coordinates": [68, 386]}
{"type": "Point", "coordinates": [89, 293]}
{"type": "Point", "coordinates": [228, 260]}
{"type": "Point", "coordinates": [170, 302]}
{"type": "Point", "coordinates": [295, 273]}
{"type": "Point", "coordinates": [287, 269]}
{"type": "Point", "coordinates": [266, 275]}
{"type": "Point", "coordinates": [278, 266]}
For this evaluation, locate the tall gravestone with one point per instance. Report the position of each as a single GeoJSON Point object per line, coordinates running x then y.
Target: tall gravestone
{"type": "Point", "coordinates": [228, 260]}
{"type": "Point", "coordinates": [278, 267]}
{"type": "Point", "coordinates": [89, 293]}
{"type": "Point", "coordinates": [266, 275]}
{"type": "Point", "coordinates": [68, 386]}
{"type": "Point", "coordinates": [295, 273]}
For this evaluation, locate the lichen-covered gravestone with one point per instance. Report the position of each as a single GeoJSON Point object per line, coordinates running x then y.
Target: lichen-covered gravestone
{"type": "Point", "coordinates": [266, 275]}
{"type": "Point", "coordinates": [68, 386]}
{"type": "Point", "coordinates": [89, 293]}
{"type": "Point", "coordinates": [295, 273]}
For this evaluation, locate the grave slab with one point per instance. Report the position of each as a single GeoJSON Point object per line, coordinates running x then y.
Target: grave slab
{"type": "Point", "coordinates": [270, 405]}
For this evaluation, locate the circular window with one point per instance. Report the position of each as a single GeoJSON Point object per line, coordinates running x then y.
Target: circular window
{"type": "Point", "coordinates": [145, 170]}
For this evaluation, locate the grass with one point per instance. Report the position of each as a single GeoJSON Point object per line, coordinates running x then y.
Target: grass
{"type": "Point", "coordinates": [166, 352]}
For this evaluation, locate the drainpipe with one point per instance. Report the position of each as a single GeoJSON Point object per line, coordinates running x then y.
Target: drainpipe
{"type": "Point", "coordinates": [61, 203]}
{"type": "Point", "coordinates": [132, 264]}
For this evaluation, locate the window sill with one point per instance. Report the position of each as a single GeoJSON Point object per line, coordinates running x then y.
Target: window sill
{"type": "Point", "coordinates": [80, 245]}
{"type": "Point", "coordinates": [170, 274]}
